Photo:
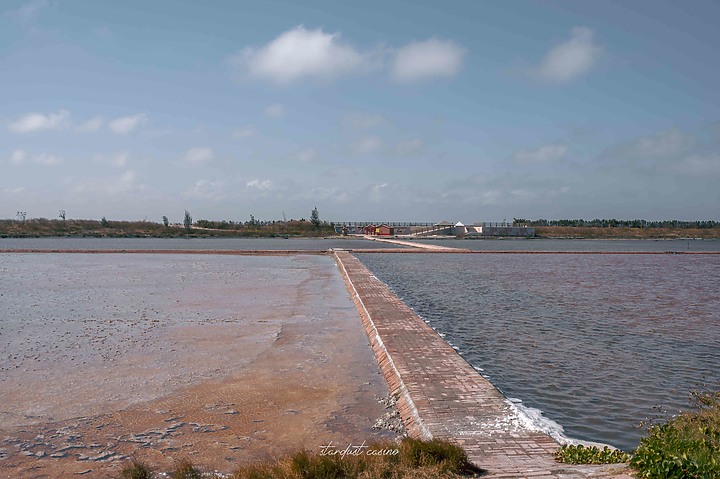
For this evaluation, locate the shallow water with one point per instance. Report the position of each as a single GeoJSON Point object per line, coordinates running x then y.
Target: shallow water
{"type": "Point", "coordinates": [603, 245]}
{"type": "Point", "coordinates": [231, 244]}
{"type": "Point", "coordinates": [594, 341]}
{"type": "Point", "coordinates": [81, 334]}
{"type": "Point", "coordinates": [230, 359]}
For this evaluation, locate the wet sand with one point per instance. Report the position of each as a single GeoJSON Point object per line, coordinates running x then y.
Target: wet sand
{"type": "Point", "coordinates": [220, 359]}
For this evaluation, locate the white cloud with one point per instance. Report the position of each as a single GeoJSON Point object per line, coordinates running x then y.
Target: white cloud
{"type": "Point", "coordinates": [31, 122]}
{"type": "Point", "coordinates": [198, 156]}
{"type": "Point", "coordinates": [126, 124]}
{"type": "Point", "coordinates": [18, 156]}
{"type": "Point", "coordinates": [275, 111]}
{"type": "Point", "coordinates": [245, 132]}
{"type": "Point", "coordinates": [93, 124]}
{"type": "Point", "coordinates": [572, 58]}
{"type": "Point", "coordinates": [299, 54]}
{"type": "Point", "coordinates": [369, 144]}
{"type": "Point", "coordinates": [261, 185]}
{"type": "Point", "coordinates": [427, 59]}
{"type": "Point", "coordinates": [542, 154]}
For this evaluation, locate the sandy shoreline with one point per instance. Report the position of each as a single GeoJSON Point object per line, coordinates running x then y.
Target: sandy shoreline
{"type": "Point", "coordinates": [224, 360]}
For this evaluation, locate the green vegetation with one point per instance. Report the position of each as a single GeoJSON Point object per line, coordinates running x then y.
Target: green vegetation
{"type": "Point", "coordinates": [37, 227]}
{"type": "Point", "coordinates": [187, 222]}
{"type": "Point", "coordinates": [685, 446]}
{"type": "Point", "coordinates": [387, 460]}
{"type": "Point", "coordinates": [614, 223]}
{"type": "Point", "coordinates": [571, 454]}
{"type": "Point", "coordinates": [613, 228]}
{"type": "Point", "coordinates": [315, 218]}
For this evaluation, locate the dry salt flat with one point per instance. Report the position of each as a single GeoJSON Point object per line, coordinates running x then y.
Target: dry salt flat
{"type": "Point", "coordinates": [222, 359]}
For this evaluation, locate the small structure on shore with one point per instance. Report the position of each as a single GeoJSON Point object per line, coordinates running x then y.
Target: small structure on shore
{"type": "Point", "coordinates": [459, 230]}
{"type": "Point", "coordinates": [443, 228]}
{"type": "Point", "coordinates": [485, 230]}
{"type": "Point", "coordinates": [384, 230]}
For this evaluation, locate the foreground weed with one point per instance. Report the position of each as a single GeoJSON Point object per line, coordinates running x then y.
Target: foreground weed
{"type": "Point", "coordinates": [414, 460]}
{"type": "Point", "coordinates": [184, 469]}
{"type": "Point", "coordinates": [571, 454]}
{"type": "Point", "coordinates": [136, 470]}
{"type": "Point", "coordinates": [685, 446]}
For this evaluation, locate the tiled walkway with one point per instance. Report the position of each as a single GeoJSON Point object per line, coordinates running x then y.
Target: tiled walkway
{"type": "Point", "coordinates": [441, 395]}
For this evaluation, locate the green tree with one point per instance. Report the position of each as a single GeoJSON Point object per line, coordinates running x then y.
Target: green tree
{"type": "Point", "coordinates": [166, 222]}
{"type": "Point", "coordinates": [187, 221]}
{"type": "Point", "coordinates": [315, 218]}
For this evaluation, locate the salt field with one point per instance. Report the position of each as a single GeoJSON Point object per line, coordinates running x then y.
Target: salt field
{"type": "Point", "coordinates": [593, 342]}
{"type": "Point", "coordinates": [579, 245]}
{"type": "Point", "coordinates": [223, 358]}
{"type": "Point", "coordinates": [221, 244]}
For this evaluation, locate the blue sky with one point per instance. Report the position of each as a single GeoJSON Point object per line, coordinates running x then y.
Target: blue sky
{"type": "Point", "coordinates": [387, 110]}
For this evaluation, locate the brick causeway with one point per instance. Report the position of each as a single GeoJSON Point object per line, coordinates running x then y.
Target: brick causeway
{"type": "Point", "coordinates": [441, 396]}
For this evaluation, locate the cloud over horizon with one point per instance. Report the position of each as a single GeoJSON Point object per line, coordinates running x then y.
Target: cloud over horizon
{"type": "Point", "coordinates": [571, 58]}
{"type": "Point", "coordinates": [303, 54]}
{"type": "Point", "coordinates": [20, 156]}
{"type": "Point", "coordinates": [299, 54]}
{"type": "Point", "coordinates": [126, 124]}
{"type": "Point", "coordinates": [427, 59]}
{"type": "Point", "coordinates": [31, 122]}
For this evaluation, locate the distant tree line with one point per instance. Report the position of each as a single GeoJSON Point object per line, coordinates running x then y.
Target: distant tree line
{"type": "Point", "coordinates": [237, 225]}
{"type": "Point", "coordinates": [613, 223]}
{"type": "Point", "coordinates": [23, 227]}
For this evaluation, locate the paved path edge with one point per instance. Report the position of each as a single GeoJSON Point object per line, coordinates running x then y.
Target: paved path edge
{"type": "Point", "coordinates": [536, 462]}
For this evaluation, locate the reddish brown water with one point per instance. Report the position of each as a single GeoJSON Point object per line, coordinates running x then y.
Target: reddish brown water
{"type": "Point", "coordinates": [592, 341]}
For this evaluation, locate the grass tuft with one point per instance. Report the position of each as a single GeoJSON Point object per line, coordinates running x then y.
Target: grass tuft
{"type": "Point", "coordinates": [136, 470]}
{"type": "Point", "coordinates": [184, 469]}
{"type": "Point", "coordinates": [414, 459]}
